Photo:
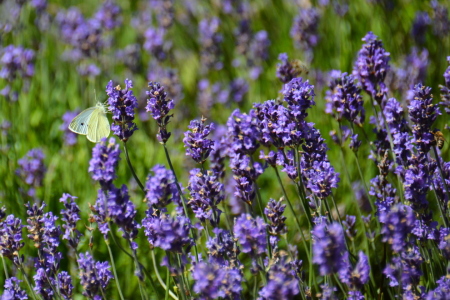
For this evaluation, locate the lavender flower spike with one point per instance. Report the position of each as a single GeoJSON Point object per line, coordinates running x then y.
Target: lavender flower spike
{"type": "Point", "coordinates": [161, 189]}
{"type": "Point", "coordinates": [70, 216]}
{"type": "Point", "coordinates": [104, 161]}
{"type": "Point", "coordinates": [198, 145]}
{"type": "Point", "coordinates": [11, 239]}
{"type": "Point", "coordinates": [13, 291]}
{"type": "Point", "coordinates": [159, 106]}
{"type": "Point", "coordinates": [122, 104]}
{"type": "Point", "coordinates": [94, 276]}
{"type": "Point", "coordinates": [32, 170]}
{"type": "Point", "coordinates": [251, 234]}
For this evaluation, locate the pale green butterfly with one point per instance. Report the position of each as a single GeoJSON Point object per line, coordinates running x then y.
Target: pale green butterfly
{"type": "Point", "coordinates": [92, 122]}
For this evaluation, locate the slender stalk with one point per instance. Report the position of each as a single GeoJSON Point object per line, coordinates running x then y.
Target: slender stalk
{"type": "Point", "coordinates": [183, 200]}
{"type": "Point", "coordinates": [166, 296]}
{"type": "Point", "coordinates": [165, 286]}
{"type": "Point", "coordinates": [132, 169]}
{"type": "Point", "coordinates": [444, 216]}
{"type": "Point", "coordinates": [114, 270]}
{"type": "Point", "coordinates": [4, 267]}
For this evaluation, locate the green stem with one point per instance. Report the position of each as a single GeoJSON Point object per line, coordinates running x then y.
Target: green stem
{"type": "Point", "coordinates": [183, 200]}
{"type": "Point", "coordinates": [4, 267]}
{"type": "Point", "coordinates": [165, 286]}
{"type": "Point", "coordinates": [132, 169]}
{"type": "Point", "coordinates": [114, 270]}
{"type": "Point", "coordinates": [444, 216]}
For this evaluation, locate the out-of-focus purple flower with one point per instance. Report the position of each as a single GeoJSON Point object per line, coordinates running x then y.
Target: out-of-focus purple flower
{"type": "Point", "coordinates": [198, 145]}
{"type": "Point", "coordinates": [70, 137]}
{"type": "Point", "coordinates": [349, 226]}
{"type": "Point", "coordinates": [104, 161]}
{"type": "Point", "coordinates": [13, 291]}
{"type": "Point", "coordinates": [32, 170]}
{"type": "Point", "coordinates": [65, 285]}
{"type": "Point", "coordinates": [442, 291]}
{"type": "Point", "coordinates": [440, 20]}
{"type": "Point", "coordinates": [45, 285]}
{"type": "Point", "coordinates": [445, 89]}
{"type": "Point", "coordinates": [122, 103]}
{"type": "Point", "coordinates": [276, 227]}
{"type": "Point", "coordinates": [168, 77]}
{"type": "Point", "coordinates": [161, 188]}
{"type": "Point", "coordinates": [94, 276]}
{"type": "Point", "coordinates": [371, 66]}
{"type": "Point", "coordinates": [109, 15]}
{"type": "Point", "coordinates": [440, 182]}
{"type": "Point", "coordinates": [238, 89]}
{"type": "Point", "coordinates": [304, 30]}
{"type": "Point", "coordinates": [210, 41]}
{"type": "Point", "coordinates": [168, 233]}
{"type": "Point", "coordinates": [258, 53]}
{"type": "Point", "coordinates": [212, 281]}
{"type": "Point", "coordinates": [39, 5]}
{"type": "Point", "coordinates": [131, 57]}
{"type": "Point", "coordinates": [354, 143]}
{"type": "Point", "coordinates": [244, 132]}
{"type": "Point", "coordinates": [16, 62]}
{"type": "Point", "coordinates": [393, 112]}
{"type": "Point", "coordinates": [355, 278]}
{"type": "Point", "coordinates": [398, 222]}
{"type": "Point", "coordinates": [11, 239]}
{"type": "Point", "coordinates": [243, 36]}
{"type": "Point", "coordinates": [405, 270]}
{"type": "Point", "coordinates": [206, 194]}
{"type": "Point", "coordinates": [299, 96]}
{"type": "Point", "coordinates": [420, 25]}
{"type": "Point", "coordinates": [70, 215]}
{"type": "Point", "coordinates": [282, 284]}
{"type": "Point", "coordinates": [222, 249]}
{"type": "Point", "coordinates": [114, 204]}
{"type": "Point", "coordinates": [270, 158]}
{"type": "Point", "coordinates": [159, 106]}
{"type": "Point", "coordinates": [328, 247]}
{"type": "Point", "coordinates": [286, 70]}
{"type": "Point", "coordinates": [88, 70]}
{"type": "Point", "coordinates": [344, 98]}
{"type": "Point", "coordinates": [251, 234]}
{"type": "Point", "coordinates": [423, 113]}
{"type": "Point", "coordinates": [355, 295]}
{"type": "Point", "coordinates": [444, 241]}
{"type": "Point", "coordinates": [328, 292]}
{"type": "Point", "coordinates": [156, 44]}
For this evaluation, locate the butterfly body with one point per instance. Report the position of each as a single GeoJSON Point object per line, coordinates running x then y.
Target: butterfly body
{"type": "Point", "coordinates": [92, 122]}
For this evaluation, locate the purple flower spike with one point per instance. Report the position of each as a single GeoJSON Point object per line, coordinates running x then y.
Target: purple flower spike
{"type": "Point", "coordinates": [371, 66]}
{"type": "Point", "coordinates": [213, 281]}
{"type": "Point", "coordinates": [198, 145]}
{"type": "Point", "coordinates": [397, 224]}
{"type": "Point", "coordinates": [159, 106]}
{"type": "Point", "coordinates": [94, 276]}
{"type": "Point", "coordinates": [70, 216]}
{"type": "Point", "coordinates": [329, 247]}
{"type": "Point", "coordinates": [161, 188]}
{"type": "Point", "coordinates": [244, 132]}
{"type": "Point", "coordinates": [299, 96]}
{"type": "Point", "coordinates": [122, 104]}
{"type": "Point", "coordinates": [156, 44]}
{"type": "Point", "coordinates": [70, 137]}
{"type": "Point", "coordinates": [11, 239]}
{"type": "Point", "coordinates": [13, 291]}
{"type": "Point", "coordinates": [32, 170]}
{"type": "Point", "coordinates": [109, 15]}
{"type": "Point", "coordinates": [282, 283]}
{"type": "Point", "coordinates": [65, 285]}
{"type": "Point", "coordinates": [210, 40]}
{"type": "Point", "coordinates": [206, 194]}
{"type": "Point", "coordinates": [168, 233]}
{"type": "Point", "coordinates": [344, 99]}
{"type": "Point", "coordinates": [304, 28]}
{"type": "Point", "coordinates": [355, 278]}
{"type": "Point", "coordinates": [445, 89]}
{"type": "Point", "coordinates": [251, 234]}
{"type": "Point", "coordinates": [274, 212]}
{"type": "Point", "coordinates": [286, 71]}
{"type": "Point", "coordinates": [16, 62]}
{"type": "Point", "coordinates": [442, 291]}
{"type": "Point", "coordinates": [104, 161]}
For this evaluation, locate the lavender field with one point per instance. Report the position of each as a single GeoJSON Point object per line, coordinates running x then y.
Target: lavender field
{"type": "Point", "coordinates": [259, 149]}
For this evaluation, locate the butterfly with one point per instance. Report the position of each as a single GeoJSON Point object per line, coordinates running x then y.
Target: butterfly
{"type": "Point", "coordinates": [92, 122]}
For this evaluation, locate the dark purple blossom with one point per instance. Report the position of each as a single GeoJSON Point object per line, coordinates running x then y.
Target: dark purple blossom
{"type": "Point", "coordinates": [122, 104]}
{"type": "Point", "coordinates": [206, 194]}
{"type": "Point", "coordinates": [88, 70]}
{"type": "Point", "coordinates": [288, 162]}
{"type": "Point", "coordinates": [354, 143]}
{"type": "Point", "coordinates": [245, 174]}
{"type": "Point", "coordinates": [371, 67]}
{"type": "Point", "coordinates": [286, 70]}
{"type": "Point", "coordinates": [210, 41]}
{"type": "Point", "coordinates": [219, 152]}
{"type": "Point", "coordinates": [444, 242]}
{"type": "Point", "coordinates": [442, 291]}
{"type": "Point", "coordinates": [321, 178]}
{"type": "Point", "coordinates": [282, 284]}
{"type": "Point", "coordinates": [166, 232]}
{"type": "Point", "coordinates": [70, 137]}
{"type": "Point", "coordinates": [445, 89]}
{"type": "Point", "coordinates": [11, 239]}
{"type": "Point", "coordinates": [65, 285]}
{"type": "Point", "coordinates": [198, 145]}
{"type": "Point", "coordinates": [161, 188]}
{"type": "Point", "coordinates": [104, 161]}
{"type": "Point", "coordinates": [238, 89]}
{"type": "Point", "coordinates": [159, 106]}
{"type": "Point", "coordinates": [44, 284]}
{"type": "Point", "coordinates": [131, 57]}
{"type": "Point", "coordinates": [393, 112]}
{"type": "Point", "coordinates": [70, 215]}
{"type": "Point", "coordinates": [212, 281]}
{"type": "Point", "coordinates": [109, 15]}
{"type": "Point", "coordinates": [164, 10]}
{"type": "Point", "coordinates": [355, 278]}
{"type": "Point", "coordinates": [398, 222]}
{"type": "Point", "coordinates": [94, 276]}
{"type": "Point", "coordinates": [13, 291]}
{"type": "Point", "coordinates": [168, 77]}
{"type": "Point", "coordinates": [328, 247]}
{"type": "Point", "coordinates": [419, 27]}
{"type": "Point", "coordinates": [222, 248]}
{"type": "Point", "coordinates": [32, 170]}
{"type": "Point", "coordinates": [251, 234]}
{"type": "Point", "coordinates": [440, 20]}
{"type": "Point", "coordinates": [423, 113]}
{"type": "Point", "coordinates": [405, 269]}
{"type": "Point", "coordinates": [299, 96]}
{"type": "Point", "coordinates": [16, 62]}
{"type": "Point", "coordinates": [355, 295]}
{"type": "Point", "coordinates": [244, 132]}
{"type": "Point", "coordinates": [304, 30]}
{"type": "Point", "coordinates": [276, 227]}
{"type": "Point", "coordinates": [344, 99]}
{"type": "Point", "coordinates": [258, 53]}
{"type": "Point", "coordinates": [270, 158]}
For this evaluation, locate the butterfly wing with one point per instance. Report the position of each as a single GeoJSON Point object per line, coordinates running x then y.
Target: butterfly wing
{"type": "Point", "coordinates": [80, 123]}
{"type": "Point", "coordinates": [98, 126]}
